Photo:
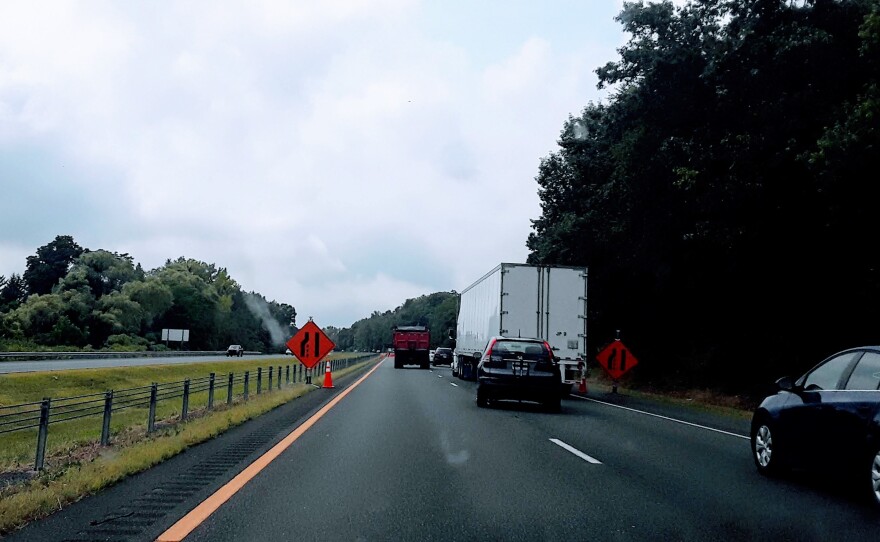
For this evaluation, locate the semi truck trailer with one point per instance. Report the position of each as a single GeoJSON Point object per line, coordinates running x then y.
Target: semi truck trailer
{"type": "Point", "coordinates": [529, 301]}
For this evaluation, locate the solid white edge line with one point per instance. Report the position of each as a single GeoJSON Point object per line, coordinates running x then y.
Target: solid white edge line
{"type": "Point", "coordinates": [454, 384]}
{"type": "Point", "coordinates": [664, 417]}
{"type": "Point", "coordinates": [575, 451]}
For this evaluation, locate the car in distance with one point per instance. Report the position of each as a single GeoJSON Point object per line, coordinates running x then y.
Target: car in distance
{"type": "Point", "coordinates": [520, 369]}
{"type": "Point", "coordinates": [828, 419]}
{"type": "Point", "coordinates": [442, 356]}
{"type": "Point", "coordinates": [234, 350]}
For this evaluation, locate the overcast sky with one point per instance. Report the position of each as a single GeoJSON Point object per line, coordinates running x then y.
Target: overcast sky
{"type": "Point", "coordinates": [338, 155]}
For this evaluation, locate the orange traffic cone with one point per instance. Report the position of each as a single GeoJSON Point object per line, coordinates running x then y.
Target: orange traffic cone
{"type": "Point", "coordinates": [328, 377]}
{"type": "Point", "coordinates": [582, 387]}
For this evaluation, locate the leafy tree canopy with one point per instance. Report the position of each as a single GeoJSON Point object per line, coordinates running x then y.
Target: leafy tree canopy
{"type": "Point", "coordinates": [50, 264]}
{"type": "Point", "coordinates": [715, 193]}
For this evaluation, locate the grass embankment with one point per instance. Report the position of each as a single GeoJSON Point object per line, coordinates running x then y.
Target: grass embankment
{"type": "Point", "coordinates": [699, 399]}
{"type": "Point", "coordinates": [79, 467]}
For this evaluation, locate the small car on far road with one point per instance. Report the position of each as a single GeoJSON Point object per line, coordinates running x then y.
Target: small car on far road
{"type": "Point", "coordinates": [520, 369]}
{"type": "Point", "coordinates": [234, 350]}
{"type": "Point", "coordinates": [827, 419]}
{"type": "Point", "coordinates": [442, 356]}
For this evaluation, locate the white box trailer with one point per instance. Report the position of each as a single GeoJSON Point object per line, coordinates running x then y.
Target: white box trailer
{"type": "Point", "coordinates": [520, 300]}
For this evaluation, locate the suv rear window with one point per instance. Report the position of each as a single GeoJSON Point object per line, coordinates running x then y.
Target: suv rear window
{"type": "Point", "coordinates": [530, 351]}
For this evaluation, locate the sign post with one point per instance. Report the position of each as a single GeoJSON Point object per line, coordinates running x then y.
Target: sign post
{"type": "Point", "coordinates": [617, 360]}
{"type": "Point", "coordinates": [310, 345]}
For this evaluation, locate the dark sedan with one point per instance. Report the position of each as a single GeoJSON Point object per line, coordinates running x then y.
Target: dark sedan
{"type": "Point", "coordinates": [828, 418]}
{"type": "Point", "coordinates": [443, 356]}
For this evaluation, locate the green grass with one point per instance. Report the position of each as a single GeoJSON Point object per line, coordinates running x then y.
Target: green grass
{"type": "Point", "coordinates": [698, 399]}
{"type": "Point", "coordinates": [17, 450]}
{"type": "Point", "coordinates": [131, 452]}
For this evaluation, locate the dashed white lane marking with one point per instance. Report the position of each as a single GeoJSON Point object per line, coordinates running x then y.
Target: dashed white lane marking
{"type": "Point", "coordinates": [664, 417]}
{"type": "Point", "coordinates": [454, 384]}
{"type": "Point", "coordinates": [575, 451]}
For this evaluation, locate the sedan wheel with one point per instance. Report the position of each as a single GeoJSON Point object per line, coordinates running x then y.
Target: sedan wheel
{"type": "Point", "coordinates": [875, 477]}
{"type": "Point", "coordinates": [763, 449]}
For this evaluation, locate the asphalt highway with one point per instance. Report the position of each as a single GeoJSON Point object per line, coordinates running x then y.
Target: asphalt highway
{"type": "Point", "coordinates": [407, 455]}
{"type": "Point", "coordinates": [96, 363]}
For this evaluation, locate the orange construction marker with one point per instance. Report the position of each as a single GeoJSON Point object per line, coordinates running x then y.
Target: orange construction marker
{"type": "Point", "coordinates": [328, 377]}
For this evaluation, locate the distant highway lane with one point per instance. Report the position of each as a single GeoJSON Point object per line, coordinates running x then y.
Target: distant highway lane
{"type": "Point", "coordinates": [65, 364]}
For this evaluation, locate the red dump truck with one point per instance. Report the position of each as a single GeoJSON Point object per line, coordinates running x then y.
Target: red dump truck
{"type": "Point", "coordinates": [411, 346]}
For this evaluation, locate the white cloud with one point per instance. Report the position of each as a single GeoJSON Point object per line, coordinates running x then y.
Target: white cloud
{"type": "Point", "coordinates": [332, 155]}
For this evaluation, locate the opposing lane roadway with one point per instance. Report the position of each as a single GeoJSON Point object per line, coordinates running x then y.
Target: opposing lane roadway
{"type": "Point", "coordinates": [66, 364]}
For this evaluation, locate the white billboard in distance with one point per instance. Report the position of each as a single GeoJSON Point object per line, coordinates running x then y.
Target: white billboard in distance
{"type": "Point", "coordinates": [179, 335]}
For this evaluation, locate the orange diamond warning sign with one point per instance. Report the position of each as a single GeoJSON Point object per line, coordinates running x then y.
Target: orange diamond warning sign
{"type": "Point", "coordinates": [310, 344]}
{"type": "Point", "coordinates": [616, 359]}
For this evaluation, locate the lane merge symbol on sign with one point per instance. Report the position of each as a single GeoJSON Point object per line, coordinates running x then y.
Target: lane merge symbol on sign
{"type": "Point", "coordinates": [616, 359]}
{"type": "Point", "coordinates": [310, 344]}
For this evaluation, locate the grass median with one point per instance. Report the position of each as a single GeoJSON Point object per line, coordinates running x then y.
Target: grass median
{"type": "Point", "coordinates": [77, 466]}
{"type": "Point", "coordinates": [705, 400]}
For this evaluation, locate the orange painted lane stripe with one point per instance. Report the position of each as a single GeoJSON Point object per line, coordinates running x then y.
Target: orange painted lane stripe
{"type": "Point", "coordinates": [200, 513]}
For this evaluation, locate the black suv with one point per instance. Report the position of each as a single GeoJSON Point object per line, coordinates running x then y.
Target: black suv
{"type": "Point", "coordinates": [442, 356]}
{"type": "Point", "coordinates": [234, 350]}
{"type": "Point", "coordinates": [522, 369]}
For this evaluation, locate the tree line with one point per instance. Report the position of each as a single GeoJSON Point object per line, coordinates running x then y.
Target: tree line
{"type": "Point", "coordinates": [73, 297]}
{"type": "Point", "coordinates": [723, 195]}
{"type": "Point", "coordinates": [437, 311]}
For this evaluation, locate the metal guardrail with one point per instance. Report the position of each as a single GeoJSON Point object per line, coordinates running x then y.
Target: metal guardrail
{"type": "Point", "coordinates": [34, 356]}
{"type": "Point", "coordinates": [41, 414]}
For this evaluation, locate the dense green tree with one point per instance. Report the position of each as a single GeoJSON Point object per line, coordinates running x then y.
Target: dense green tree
{"type": "Point", "coordinates": [195, 305]}
{"type": "Point", "coordinates": [104, 300]}
{"type": "Point", "coordinates": [106, 272]}
{"type": "Point", "coordinates": [715, 192]}
{"type": "Point", "coordinates": [152, 296]}
{"type": "Point", "coordinates": [438, 311]}
{"type": "Point", "coordinates": [50, 264]}
{"type": "Point", "coordinates": [13, 293]}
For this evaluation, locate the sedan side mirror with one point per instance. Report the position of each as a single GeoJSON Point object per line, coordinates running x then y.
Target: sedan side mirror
{"type": "Point", "coordinates": [785, 383]}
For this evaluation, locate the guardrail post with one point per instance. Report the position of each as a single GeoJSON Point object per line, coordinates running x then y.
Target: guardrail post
{"type": "Point", "coordinates": [279, 377]}
{"type": "Point", "coordinates": [151, 419]}
{"type": "Point", "coordinates": [211, 391]}
{"type": "Point", "coordinates": [43, 433]}
{"type": "Point", "coordinates": [108, 409]}
{"type": "Point", "coordinates": [287, 374]}
{"type": "Point", "coordinates": [229, 390]}
{"type": "Point", "coordinates": [246, 384]}
{"type": "Point", "coordinates": [271, 370]}
{"type": "Point", "coordinates": [184, 409]}
{"type": "Point", "coordinates": [259, 380]}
